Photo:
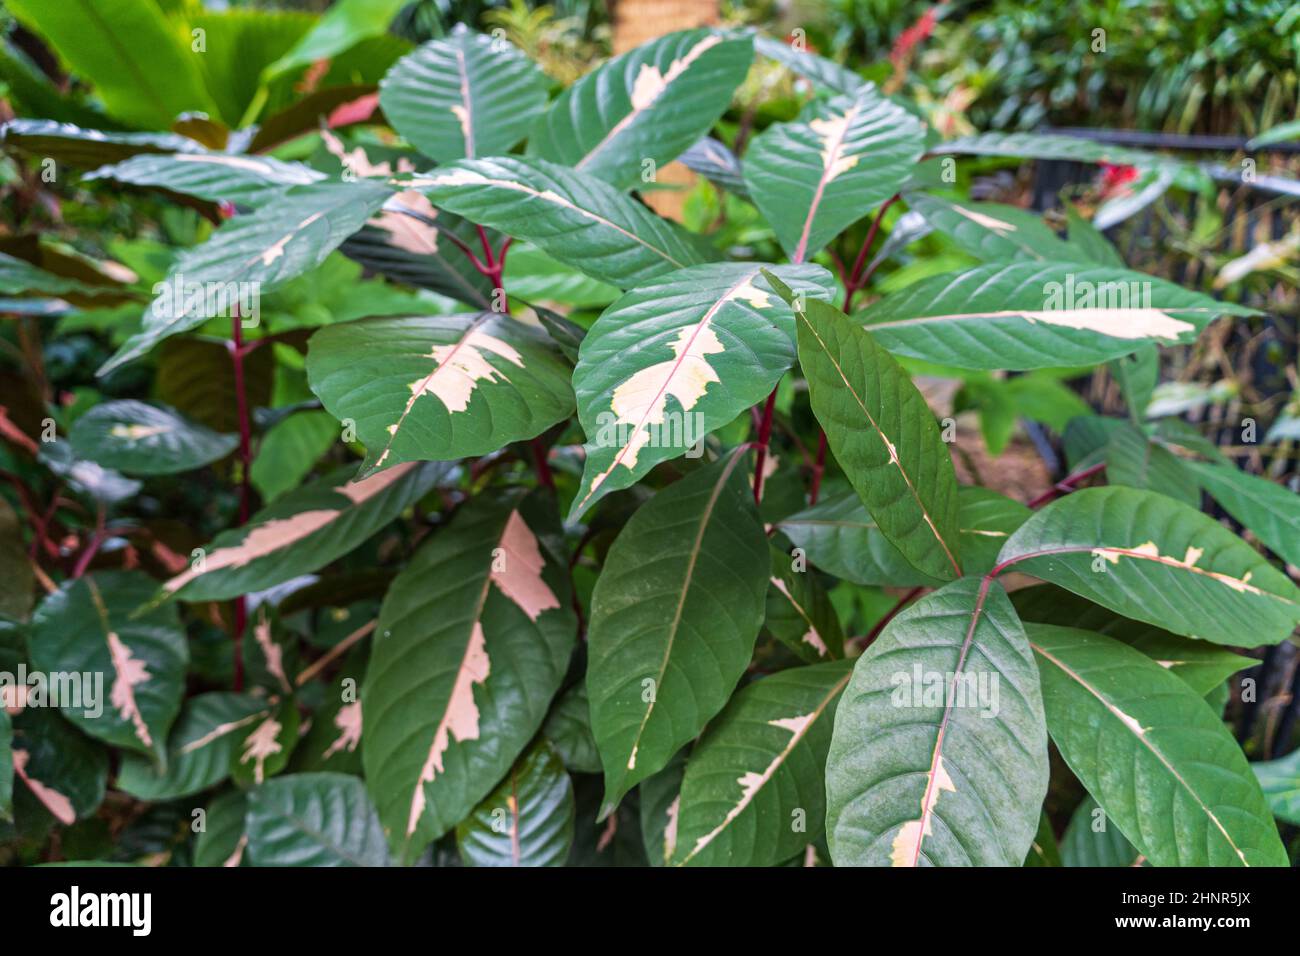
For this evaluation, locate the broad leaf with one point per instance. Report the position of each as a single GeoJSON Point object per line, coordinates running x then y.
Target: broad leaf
{"type": "Point", "coordinates": [250, 256]}
{"type": "Point", "coordinates": [990, 231]}
{"type": "Point", "coordinates": [648, 104]}
{"type": "Point", "coordinates": [78, 146]}
{"type": "Point", "coordinates": [141, 439]}
{"type": "Point", "coordinates": [222, 841]}
{"type": "Point", "coordinates": [716, 163]}
{"type": "Point", "coordinates": [56, 766]}
{"type": "Point", "coordinates": [1159, 761]}
{"type": "Point", "coordinates": [884, 436]}
{"type": "Point", "coordinates": [575, 218]}
{"type": "Point", "coordinates": [465, 95]}
{"type": "Point", "coordinates": [825, 73]}
{"type": "Point", "coordinates": [1268, 509]}
{"type": "Point", "coordinates": [1150, 558]}
{"type": "Point", "coordinates": [939, 753]}
{"type": "Point", "coordinates": [302, 532]}
{"type": "Point", "coordinates": [314, 819]}
{"type": "Point", "coordinates": [1280, 781]}
{"type": "Point", "coordinates": [1091, 839]}
{"type": "Point", "coordinates": [247, 180]}
{"type": "Point", "coordinates": [1132, 459]}
{"type": "Point", "coordinates": [800, 614]}
{"type": "Point", "coordinates": [674, 616]}
{"type": "Point", "coordinates": [1027, 315]}
{"type": "Point", "coordinates": [527, 820]}
{"type": "Point", "coordinates": [568, 729]}
{"type": "Point", "coordinates": [754, 791]}
{"type": "Point", "coordinates": [814, 177]}
{"type": "Point", "coordinates": [472, 643]}
{"type": "Point", "coordinates": [131, 668]}
{"type": "Point", "coordinates": [439, 388]}
{"type": "Point", "coordinates": [676, 358]}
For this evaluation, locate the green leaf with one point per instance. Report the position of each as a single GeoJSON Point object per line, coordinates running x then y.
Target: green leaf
{"type": "Point", "coordinates": [73, 145]}
{"type": "Point", "coordinates": [222, 841]}
{"type": "Point", "coordinates": [650, 103]}
{"type": "Point", "coordinates": [265, 746]}
{"type": "Point", "coordinates": [1044, 851]}
{"type": "Point", "coordinates": [302, 532]}
{"type": "Point", "coordinates": [527, 820]}
{"type": "Point", "coordinates": [883, 435]}
{"type": "Point", "coordinates": [21, 278]}
{"type": "Point", "coordinates": [247, 180]}
{"type": "Point", "coordinates": [674, 616]}
{"type": "Point", "coordinates": [1277, 134]}
{"type": "Point", "coordinates": [676, 358]}
{"type": "Point", "coordinates": [472, 643]}
{"type": "Point", "coordinates": [939, 753]}
{"type": "Point", "coordinates": [754, 791]}
{"type": "Point", "coordinates": [658, 799]}
{"type": "Point", "coordinates": [1161, 763]}
{"type": "Point", "coordinates": [717, 163]}
{"type": "Point", "coordinates": [140, 439]}
{"type": "Point", "coordinates": [438, 388]}
{"type": "Point", "coordinates": [992, 232]}
{"type": "Point", "coordinates": [1280, 781]}
{"type": "Point", "coordinates": [463, 96]}
{"type": "Point", "coordinates": [568, 728]}
{"type": "Point", "coordinates": [65, 771]}
{"type": "Point", "coordinates": [825, 73]}
{"type": "Point", "coordinates": [1089, 241]}
{"type": "Point", "coordinates": [839, 536]}
{"type": "Point", "coordinates": [1050, 146]}
{"type": "Point", "coordinates": [574, 218]}
{"type": "Point", "coordinates": [344, 25]}
{"type": "Point", "coordinates": [1153, 559]}
{"type": "Point", "coordinates": [1092, 840]}
{"type": "Point", "coordinates": [1201, 665]}
{"type": "Point", "coordinates": [1027, 315]}
{"type": "Point", "coordinates": [199, 750]}
{"type": "Point", "coordinates": [314, 819]}
{"type": "Point", "coordinates": [15, 568]}
{"type": "Point", "coordinates": [139, 61]}
{"type": "Point", "coordinates": [6, 766]}
{"type": "Point", "coordinates": [1134, 460]}
{"type": "Point", "coordinates": [1268, 509]}
{"type": "Point", "coordinates": [841, 158]}
{"type": "Point", "coordinates": [800, 614]}
{"type": "Point", "coordinates": [250, 256]}
{"type": "Point", "coordinates": [1137, 375]}
{"type": "Point", "coordinates": [289, 451]}
{"type": "Point", "coordinates": [131, 669]}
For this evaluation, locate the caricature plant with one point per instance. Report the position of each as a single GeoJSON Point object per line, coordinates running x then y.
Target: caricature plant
{"type": "Point", "coordinates": [442, 502]}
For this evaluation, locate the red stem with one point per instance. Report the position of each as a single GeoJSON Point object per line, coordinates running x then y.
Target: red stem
{"type": "Point", "coordinates": [764, 435]}
{"type": "Point", "coordinates": [1066, 485]}
{"type": "Point", "coordinates": [544, 476]}
{"type": "Point", "coordinates": [857, 281]}
{"type": "Point", "coordinates": [96, 539]}
{"type": "Point", "coordinates": [890, 615]}
{"type": "Point", "coordinates": [819, 469]}
{"type": "Point", "coordinates": [237, 353]}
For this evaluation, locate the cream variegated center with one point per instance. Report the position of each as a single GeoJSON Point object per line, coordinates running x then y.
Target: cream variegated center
{"type": "Point", "coordinates": [517, 570]}
{"type": "Point", "coordinates": [129, 672]}
{"type": "Point", "coordinates": [138, 432]}
{"type": "Point", "coordinates": [906, 848]}
{"type": "Point", "coordinates": [262, 744]}
{"type": "Point", "coordinates": [58, 804]}
{"type": "Point", "coordinates": [832, 130]}
{"type": "Point", "coordinates": [348, 722]}
{"type": "Point", "coordinates": [988, 222]}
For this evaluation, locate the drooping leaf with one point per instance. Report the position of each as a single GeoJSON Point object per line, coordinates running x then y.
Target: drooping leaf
{"type": "Point", "coordinates": [1280, 781]}
{"type": "Point", "coordinates": [1027, 315]}
{"type": "Point", "coordinates": [840, 159]}
{"type": "Point", "coordinates": [266, 248]}
{"type": "Point", "coordinates": [992, 232]}
{"type": "Point", "coordinates": [659, 798]}
{"type": "Point", "coordinates": [302, 532]}
{"type": "Point", "coordinates": [314, 819]}
{"type": "Point", "coordinates": [939, 752]}
{"type": "Point", "coordinates": [472, 643]}
{"type": "Point", "coordinates": [463, 96]}
{"type": "Point", "coordinates": [78, 146]}
{"type": "Point", "coordinates": [1153, 559]}
{"type": "Point", "coordinates": [1091, 839]}
{"type": "Point", "coordinates": [574, 218]}
{"type": "Point", "coordinates": [568, 728]}
{"type": "Point", "coordinates": [1271, 511]}
{"type": "Point", "coordinates": [676, 358]}
{"type": "Point", "coordinates": [246, 180]}
{"type": "Point", "coordinates": [439, 388]}
{"type": "Point", "coordinates": [1159, 761]}
{"type": "Point", "coordinates": [754, 790]}
{"type": "Point", "coordinates": [674, 616]}
{"type": "Point", "coordinates": [343, 26]}
{"type": "Point", "coordinates": [64, 770]}
{"type": "Point", "coordinates": [223, 841]}
{"type": "Point", "coordinates": [199, 749]}
{"type": "Point", "coordinates": [839, 536]}
{"type": "Point", "coordinates": [134, 666]}
{"type": "Point", "coordinates": [1049, 146]}
{"type": "Point", "coordinates": [884, 436]}
{"type": "Point", "coordinates": [21, 278]}
{"type": "Point", "coordinates": [1132, 459]}
{"type": "Point", "coordinates": [650, 103]}
{"type": "Point", "coordinates": [141, 439]}
{"type": "Point", "coordinates": [527, 820]}
{"type": "Point", "coordinates": [1089, 241]}
{"type": "Point", "coordinates": [1137, 375]}
{"type": "Point", "coordinates": [800, 614]}
{"type": "Point", "coordinates": [718, 164]}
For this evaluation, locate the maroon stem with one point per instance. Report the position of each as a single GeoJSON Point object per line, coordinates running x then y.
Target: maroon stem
{"type": "Point", "coordinates": [1066, 485]}
{"type": "Point", "coordinates": [237, 353]}
{"type": "Point", "coordinates": [764, 436]}
{"type": "Point", "coordinates": [819, 469]}
{"type": "Point", "coordinates": [96, 539]}
{"type": "Point", "coordinates": [544, 476]}
{"type": "Point", "coordinates": [890, 615]}
{"type": "Point", "coordinates": [856, 279]}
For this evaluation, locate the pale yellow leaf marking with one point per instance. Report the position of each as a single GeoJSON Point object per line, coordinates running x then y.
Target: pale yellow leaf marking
{"type": "Point", "coordinates": [988, 222]}
{"type": "Point", "coordinates": [1117, 323]}
{"type": "Point", "coordinates": [984, 532]}
{"type": "Point", "coordinates": [260, 745]}
{"type": "Point", "coordinates": [832, 131]}
{"type": "Point", "coordinates": [218, 732]}
{"type": "Point", "coordinates": [893, 453]}
{"type": "Point", "coordinates": [235, 858]}
{"type": "Point", "coordinates": [272, 652]}
{"type": "Point", "coordinates": [1131, 724]}
{"type": "Point", "coordinates": [753, 781]}
{"type": "Point", "coordinates": [279, 533]}
{"type": "Point", "coordinates": [670, 830]}
{"type": "Point", "coordinates": [467, 177]}
{"type": "Point", "coordinates": [276, 249]}
{"type": "Point", "coordinates": [647, 87]}
{"type": "Point", "coordinates": [811, 637]}
{"type": "Point", "coordinates": [1150, 551]}
{"type": "Point", "coordinates": [59, 805]}
{"type": "Point", "coordinates": [407, 232]}
{"type": "Point", "coordinates": [348, 721]}
{"type": "Point", "coordinates": [642, 400]}
{"type": "Point", "coordinates": [458, 368]}
{"type": "Point", "coordinates": [461, 718]}
{"type": "Point", "coordinates": [358, 162]}
{"type": "Point", "coordinates": [520, 577]}
{"type": "Point", "coordinates": [128, 671]}
{"type": "Point", "coordinates": [138, 432]}
{"type": "Point", "coordinates": [907, 842]}
{"type": "Point", "coordinates": [464, 112]}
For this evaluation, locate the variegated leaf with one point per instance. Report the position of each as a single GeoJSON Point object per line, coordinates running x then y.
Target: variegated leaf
{"type": "Point", "coordinates": [527, 820]}
{"type": "Point", "coordinates": [218, 177]}
{"type": "Point", "coordinates": [990, 231]}
{"type": "Point", "coordinates": [800, 614]}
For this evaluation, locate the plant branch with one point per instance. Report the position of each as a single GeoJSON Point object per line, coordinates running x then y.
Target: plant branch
{"type": "Point", "coordinates": [1066, 485]}
{"type": "Point", "coordinates": [764, 436]}
{"type": "Point", "coordinates": [237, 353]}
